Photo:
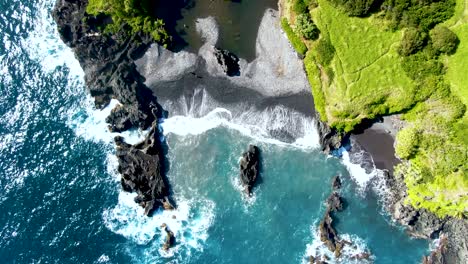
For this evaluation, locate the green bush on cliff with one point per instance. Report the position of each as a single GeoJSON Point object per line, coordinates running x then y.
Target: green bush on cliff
{"type": "Point", "coordinates": [306, 27]}
{"type": "Point", "coordinates": [413, 40]}
{"type": "Point", "coordinates": [134, 13]}
{"type": "Point", "coordinates": [355, 7]}
{"type": "Point", "coordinates": [324, 51]}
{"type": "Point", "coordinates": [295, 40]}
{"type": "Point", "coordinates": [300, 7]}
{"type": "Point", "coordinates": [443, 40]}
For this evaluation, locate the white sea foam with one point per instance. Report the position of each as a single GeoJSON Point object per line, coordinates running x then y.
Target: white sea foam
{"type": "Point", "coordinates": [90, 124]}
{"type": "Point", "coordinates": [349, 253]}
{"type": "Point", "coordinates": [44, 44]}
{"type": "Point", "coordinates": [359, 174]}
{"type": "Point", "coordinates": [254, 125]}
{"type": "Point", "coordinates": [189, 222]}
{"type": "Point", "coordinates": [248, 200]}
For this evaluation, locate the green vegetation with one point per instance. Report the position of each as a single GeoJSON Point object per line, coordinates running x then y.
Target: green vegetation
{"type": "Point", "coordinates": [296, 42]}
{"type": "Point", "coordinates": [306, 27]}
{"type": "Point", "coordinates": [443, 40]}
{"type": "Point", "coordinates": [354, 7]}
{"type": "Point", "coordinates": [132, 13]}
{"type": "Point", "coordinates": [413, 40]}
{"type": "Point", "coordinates": [399, 59]}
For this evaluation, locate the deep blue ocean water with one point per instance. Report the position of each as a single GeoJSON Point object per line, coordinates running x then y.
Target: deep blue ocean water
{"type": "Point", "coordinates": [60, 198]}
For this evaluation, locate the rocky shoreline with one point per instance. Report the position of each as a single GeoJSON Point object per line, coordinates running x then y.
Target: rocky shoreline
{"type": "Point", "coordinates": [110, 73]}
{"type": "Point", "coordinates": [113, 70]}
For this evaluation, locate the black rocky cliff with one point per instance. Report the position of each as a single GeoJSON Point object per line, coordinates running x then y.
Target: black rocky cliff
{"type": "Point", "coordinates": [110, 73]}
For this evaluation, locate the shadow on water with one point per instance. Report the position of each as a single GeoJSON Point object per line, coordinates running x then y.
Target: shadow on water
{"type": "Point", "coordinates": [238, 23]}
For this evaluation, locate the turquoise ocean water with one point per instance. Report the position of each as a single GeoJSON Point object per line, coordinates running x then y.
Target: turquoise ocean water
{"type": "Point", "coordinates": [60, 199]}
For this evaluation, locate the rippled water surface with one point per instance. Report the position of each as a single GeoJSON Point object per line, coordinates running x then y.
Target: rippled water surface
{"type": "Point", "coordinates": [60, 199]}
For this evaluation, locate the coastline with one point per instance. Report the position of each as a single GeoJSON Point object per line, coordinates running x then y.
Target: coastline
{"type": "Point", "coordinates": [136, 113]}
{"type": "Point", "coordinates": [378, 139]}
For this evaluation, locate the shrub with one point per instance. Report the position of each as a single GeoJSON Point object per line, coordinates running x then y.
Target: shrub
{"type": "Point", "coordinates": [306, 27]}
{"type": "Point", "coordinates": [419, 66]}
{"type": "Point", "coordinates": [355, 7]}
{"type": "Point", "coordinates": [134, 13]}
{"type": "Point", "coordinates": [413, 40]}
{"type": "Point", "coordinates": [296, 42]}
{"type": "Point", "coordinates": [325, 51]}
{"type": "Point", "coordinates": [300, 7]}
{"type": "Point", "coordinates": [311, 3]}
{"type": "Point", "coordinates": [407, 142]}
{"type": "Point", "coordinates": [444, 40]}
{"type": "Point", "coordinates": [415, 13]}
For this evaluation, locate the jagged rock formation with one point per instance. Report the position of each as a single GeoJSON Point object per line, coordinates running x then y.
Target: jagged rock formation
{"type": "Point", "coordinates": [228, 61]}
{"type": "Point", "coordinates": [107, 61]}
{"type": "Point", "coordinates": [249, 168]}
{"type": "Point", "coordinates": [110, 72]}
{"type": "Point", "coordinates": [329, 138]}
{"type": "Point", "coordinates": [424, 224]}
{"type": "Point", "coordinates": [327, 232]}
{"type": "Point", "coordinates": [141, 170]}
{"type": "Point", "coordinates": [169, 241]}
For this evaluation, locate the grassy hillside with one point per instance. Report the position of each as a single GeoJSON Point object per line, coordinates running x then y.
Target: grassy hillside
{"type": "Point", "coordinates": [457, 64]}
{"type": "Point", "coordinates": [398, 60]}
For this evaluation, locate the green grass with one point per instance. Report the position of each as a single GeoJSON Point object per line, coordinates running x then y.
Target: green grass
{"type": "Point", "coordinates": [457, 64]}
{"type": "Point", "coordinates": [295, 40]}
{"type": "Point", "coordinates": [356, 72]}
{"type": "Point", "coordinates": [367, 77]}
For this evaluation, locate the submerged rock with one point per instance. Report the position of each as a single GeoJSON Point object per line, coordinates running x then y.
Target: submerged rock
{"type": "Point", "coordinates": [249, 168]}
{"type": "Point", "coordinates": [140, 167]}
{"type": "Point", "coordinates": [228, 61]}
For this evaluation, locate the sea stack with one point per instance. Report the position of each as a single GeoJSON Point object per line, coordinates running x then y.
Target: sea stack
{"type": "Point", "coordinates": [141, 170]}
{"type": "Point", "coordinates": [249, 168]}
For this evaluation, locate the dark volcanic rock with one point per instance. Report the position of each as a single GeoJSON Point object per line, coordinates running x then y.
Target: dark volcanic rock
{"type": "Point", "coordinates": [107, 61]}
{"type": "Point", "coordinates": [249, 168]}
{"type": "Point", "coordinates": [142, 172]}
{"type": "Point", "coordinates": [228, 61]}
{"type": "Point", "coordinates": [335, 202]}
{"type": "Point", "coordinates": [424, 224]}
{"type": "Point", "coordinates": [110, 72]}
{"type": "Point", "coordinates": [336, 183]}
{"type": "Point", "coordinates": [328, 234]}
{"type": "Point", "coordinates": [437, 256]}
{"type": "Point", "coordinates": [329, 138]}
{"type": "Point", "coordinates": [169, 241]}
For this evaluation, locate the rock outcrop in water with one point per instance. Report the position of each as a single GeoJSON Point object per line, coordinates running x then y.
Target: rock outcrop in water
{"type": "Point", "coordinates": [110, 73]}
{"type": "Point", "coordinates": [228, 61]}
{"type": "Point", "coordinates": [169, 241]}
{"type": "Point", "coordinates": [328, 234]}
{"type": "Point", "coordinates": [249, 168]}
{"type": "Point", "coordinates": [142, 171]}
